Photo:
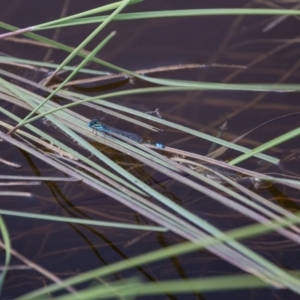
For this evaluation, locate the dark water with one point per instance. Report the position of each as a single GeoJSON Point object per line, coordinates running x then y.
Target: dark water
{"type": "Point", "coordinates": [226, 45]}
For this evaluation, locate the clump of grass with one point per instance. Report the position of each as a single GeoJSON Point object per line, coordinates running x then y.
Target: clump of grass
{"type": "Point", "coordinates": [115, 181]}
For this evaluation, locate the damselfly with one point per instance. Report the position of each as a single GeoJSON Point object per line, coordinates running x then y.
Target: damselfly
{"type": "Point", "coordinates": [96, 125]}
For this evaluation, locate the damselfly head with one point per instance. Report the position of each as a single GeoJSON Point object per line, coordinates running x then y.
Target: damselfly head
{"type": "Point", "coordinates": [93, 122]}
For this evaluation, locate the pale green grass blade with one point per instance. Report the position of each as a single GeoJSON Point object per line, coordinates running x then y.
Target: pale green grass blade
{"type": "Point", "coordinates": [202, 285]}
{"type": "Point", "coordinates": [108, 290]}
{"type": "Point", "coordinates": [42, 39]}
{"type": "Point", "coordinates": [60, 22]}
{"type": "Point", "coordinates": [26, 62]}
{"type": "Point", "coordinates": [15, 194]}
{"type": "Point", "coordinates": [7, 244]}
{"type": "Point", "coordinates": [277, 141]}
{"type": "Point", "coordinates": [184, 13]}
{"type": "Point", "coordinates": [42, 178]}
{"type": "Point", "coordinates": [123, 289]}
{"type": "Point", "coordinates": [80, 221]}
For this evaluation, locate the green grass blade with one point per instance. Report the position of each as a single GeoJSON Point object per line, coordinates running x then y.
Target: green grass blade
{"type": "Point", "coordinates": [80, 221]}
{"type": "Point", "coordinates": [60, 22]}
{"type": "Point", "coordinates": [278, 140]}
{"type": "Point", "coordinates": [7, 249]}
{"type": "Point", "coordinates": [184, 13]}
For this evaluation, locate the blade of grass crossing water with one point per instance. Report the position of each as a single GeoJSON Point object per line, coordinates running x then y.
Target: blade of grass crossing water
{"type": "Point", "coordinates": [7, 244]}
{"type": "Point", "coordinates": [279, 140]}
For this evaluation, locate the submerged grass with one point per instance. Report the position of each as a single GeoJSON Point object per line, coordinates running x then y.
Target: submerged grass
{"type": "Point", "coordinates": [115, 181]}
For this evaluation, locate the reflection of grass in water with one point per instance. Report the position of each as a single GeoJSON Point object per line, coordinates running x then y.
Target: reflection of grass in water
{"type": "Point", "coordinates": [114, 180]}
